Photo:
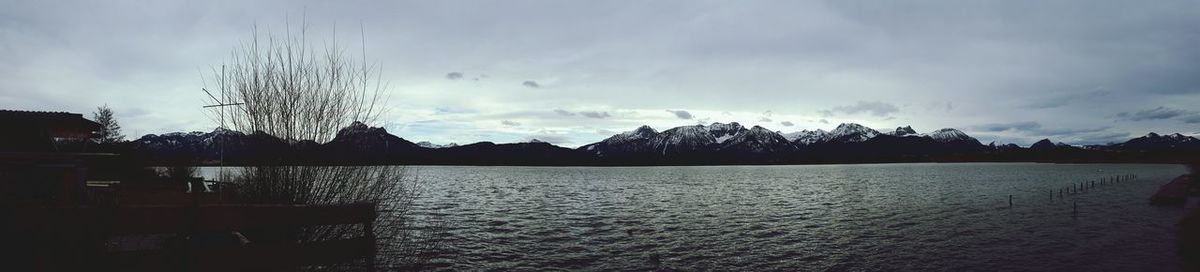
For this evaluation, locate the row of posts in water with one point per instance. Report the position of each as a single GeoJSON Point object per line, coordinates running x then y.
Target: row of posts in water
{"type": "Point", "coordinates": [1083, 187]}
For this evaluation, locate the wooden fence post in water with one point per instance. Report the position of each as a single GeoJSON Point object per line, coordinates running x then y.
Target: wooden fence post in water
{"type": "Point", "coordinates": [1010, 201]}
{"type": "Point", "coordinates": [1060, 193]}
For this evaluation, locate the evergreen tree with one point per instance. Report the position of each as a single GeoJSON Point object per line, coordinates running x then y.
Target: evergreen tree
{"type": "Point", "coordinates": [110, 130]}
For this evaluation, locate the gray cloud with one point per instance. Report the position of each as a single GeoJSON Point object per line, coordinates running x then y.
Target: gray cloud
{"type": "Point", "coordinates": [531, 84]}
{"type": "Point", "coordinates": [452, 110]}
{"type": "Point", "coordinates": [1065, 99]}
{"type": "Point", "coordinates": [595, 114]}
{"type": "Point", "coordinates": [588, 114]}
{"type": "Point", "coordinates": [875, 108]}
{"type": "Point", "coordinates": [454, 76]}
{"type": "Point", "coordinates": [1017, 126]}
{"type": "Point", "coordinates": [510, 123]}
{"type": "Point", "coordinates": [1029, 131]}
{"type": "Point", "coordinates": [1069, 131]}
{"type": "Point", "coordinates": [564, 112]}
{"type": "Point", "coordinates": [787, 123]}
{"type": "Point", "coordinates": [764, 119]}
{"type": "Point", "coordinates": [681, 114]}
{"type": "Point", "coordinates": [1191, 119]}
{"type": "Point", "coordinates": [1154, 114]}
{"type": "Point", "coordinates": [1105, 138]}
{"type": "Point", "coordinates": [1036, 129]}
{"type": "Point", "coordinates": [904, 53]}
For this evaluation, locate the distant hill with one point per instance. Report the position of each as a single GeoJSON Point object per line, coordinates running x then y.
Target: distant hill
{"type": "Point", "coordinates": [717, 143]}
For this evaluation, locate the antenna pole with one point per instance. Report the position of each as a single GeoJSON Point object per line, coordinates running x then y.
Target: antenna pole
{"type": "Point", "coordinates": [220, 144]}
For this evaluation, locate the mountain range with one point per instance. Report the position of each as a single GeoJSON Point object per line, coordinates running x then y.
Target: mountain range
{"type": "Point", "coordinates": [717, 143]}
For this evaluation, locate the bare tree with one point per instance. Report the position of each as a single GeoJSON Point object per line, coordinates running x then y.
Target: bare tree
{"type": "Point", "coordinates": [110, 130]}
{"type": "Point", "coordinates": [278, 83]}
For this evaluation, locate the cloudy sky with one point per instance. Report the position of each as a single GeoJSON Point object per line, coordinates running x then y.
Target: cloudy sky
{"type": "Point", "coordinates": [574, 72]}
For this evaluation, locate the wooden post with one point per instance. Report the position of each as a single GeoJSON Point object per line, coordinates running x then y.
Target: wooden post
{"type": "Point", "coordinates": [1010, 201]}
{"type": "Point", "coordinates": [369, 233]}
{"type": "Point", "coordinates": [1060, 193]}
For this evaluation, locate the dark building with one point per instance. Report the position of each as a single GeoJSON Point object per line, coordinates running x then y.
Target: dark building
{"type": "Point", "coordinates": [34, 131]}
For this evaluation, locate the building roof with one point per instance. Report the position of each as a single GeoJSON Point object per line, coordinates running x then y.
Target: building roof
{"type": "Point", "coordinates": [62, 120]}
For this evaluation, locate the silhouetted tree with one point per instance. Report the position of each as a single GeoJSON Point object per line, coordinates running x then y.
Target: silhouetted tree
{"type": "Point", "coordinates": [110, 130]}
{"type": "Point", "coordinates": [289, 89]}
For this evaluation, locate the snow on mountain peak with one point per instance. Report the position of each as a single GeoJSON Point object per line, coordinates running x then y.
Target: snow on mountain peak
{"type": "Point", "coordinates": [903, 131]}
{"type": "Point", "coordinates": [1175, 138]}
{"type": "Point", "coordinates": [806, 137]}
{"type": "Point", "coordinates": [684, 138]}
{"type": "Point", "coordinates": [644, 129]}
{"type": "Point", "coordinates": [949, 135]}
{"type": "Point", "coordinates": [642, 132]}
{"type": "Point", "coordinates": [723, 132]}
{"type": "Point", "coordinates": [427, 144]}
{"type": "Point", "coordinates": [758, 140]}
{"type": "Point", "coordinates": [852, 133]}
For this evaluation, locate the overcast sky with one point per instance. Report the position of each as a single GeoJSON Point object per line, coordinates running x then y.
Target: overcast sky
{"type": "Point", "coordinates": [575, 72]}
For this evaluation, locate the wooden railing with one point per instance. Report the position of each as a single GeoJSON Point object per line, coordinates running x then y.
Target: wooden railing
{"type": "Point", "coordinates": [190, 219]}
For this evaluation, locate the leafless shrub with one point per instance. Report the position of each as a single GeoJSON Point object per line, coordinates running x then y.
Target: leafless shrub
{"type": "Point", "coordinates": [293, 91]}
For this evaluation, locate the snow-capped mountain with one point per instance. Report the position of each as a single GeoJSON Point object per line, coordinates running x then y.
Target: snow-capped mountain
{"type": "Point", "coordinates": [758, 140]}
{"type": "Point", "coordinates": [208, 146]}
{"type": "Point", "coordinates": [683, 140]}
{"type": "Point", "coordinates": [806, 137]}
{"type": "Point", "coordinates": [850, 133]}
{"type": "Point", "coordinates": [721, 138]}
{"type": "Point", "coordinates": [693, 139]}
{"type": "Point", "coordinates": [1154, 141]}
{"type": "Point", "coordinates": [947, 135]}
{"type": "Point", "coordinates": [722, 132]}
{"type": "Point", "coordinates": [630, 142]}
{"type": "Point", "coordinates": [427, 144]}
{"type": "Point", "coordinates": [904, 131]}
{"type": "Point", "coordinates": [717, 143]}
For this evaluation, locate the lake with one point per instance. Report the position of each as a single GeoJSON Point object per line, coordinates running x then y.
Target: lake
{"type": "Point", "coordinates": [943, 217]}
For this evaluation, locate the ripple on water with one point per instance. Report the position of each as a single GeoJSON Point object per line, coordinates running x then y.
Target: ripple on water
{"type": "Point", "coordinates": [912, 217]}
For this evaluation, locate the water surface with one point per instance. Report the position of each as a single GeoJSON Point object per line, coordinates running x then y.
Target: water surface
{"type": "Point", "coordinates": [940, 217]}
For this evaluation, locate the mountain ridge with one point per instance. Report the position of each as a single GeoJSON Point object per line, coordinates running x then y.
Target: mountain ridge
{"type": "Point", "coordinates": [716, 143]}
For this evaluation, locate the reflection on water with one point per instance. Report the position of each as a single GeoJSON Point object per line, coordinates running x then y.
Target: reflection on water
{"type": "Point", "coordinates": [828, 217]}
